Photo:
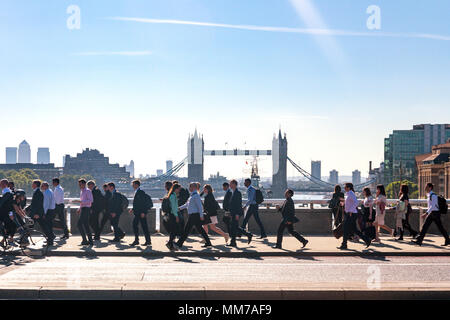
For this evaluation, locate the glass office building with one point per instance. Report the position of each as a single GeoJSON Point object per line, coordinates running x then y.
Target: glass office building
{"type": "Point", "coordinates": [401, 147]}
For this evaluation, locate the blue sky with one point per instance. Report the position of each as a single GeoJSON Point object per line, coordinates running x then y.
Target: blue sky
{"type": "Point", "coordinates": [135, 90]}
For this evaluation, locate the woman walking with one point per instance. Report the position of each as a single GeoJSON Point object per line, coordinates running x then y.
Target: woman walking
{"type": "Point", "coordinates": [367, 207]}
{"type": "Point", "coordinates": [380, 208]}
{"type": "Point", "coordinates": [335, 205]}
{"type": "Point", "coordinates": [170, 209]}
{"type": "Point", "coordinates": [405, 208]}
{"type": "Point", "coordinates": [210, 207]}
{"type": "Point", "coordinates": [289, 218]}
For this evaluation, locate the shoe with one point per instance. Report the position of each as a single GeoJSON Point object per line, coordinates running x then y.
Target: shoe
{"type": "Point", "coordinates": [97, 238]}
{"type": "Point", "coordinates": [85, 243]}
{"type": "Point", "coordinates": [202, 241]}
{"type": "Point", "coordinates": [394, 233]}
{"type": "Point", "coordinates": [250, 238]}
{"type": "Point", "coordinates": [91, 243]}
{"type": "Point", "coordinates": [368, 243]}
{"type": "Point", "coordinates": [147, 243]}
{"type": "Point", "coordinates": [447, 242]}
{"type": "Point", "coordinates": [135, 243]}
{"type": "Point", "coordinates": [342, 247]}
{"type": "Point", "coordinates": [418, 242]}
{"type": "Point", "coordinates": [49, 244]}
{"type": "Point", "coordinates": [122, 236]}
{"type": "Point", "coordinates": [171, 248]}
{"type": "Point", "coordinates": [114, 240]}
{"type": "Point", "coordinates": [176, 247]}
{"type": "Point", "coordinates": [227, 237]}
{"type": "Point", "coordinates": [66, 236]}
{"type": "Point", "coordinates": [263, 237]}
{"type": "Point", "coordinates": [305, 243]}
{"type": "Point", "coordinates": [277, 247]}
{"type": "Point", "coordinates": [207, 245]}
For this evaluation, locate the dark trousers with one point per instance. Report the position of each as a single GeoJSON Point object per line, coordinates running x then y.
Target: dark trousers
{"type": "Point", "coordinates": [83, 224]}
{"type": "Point", "coordinates": [9, 225]}
{"type": "Point", "coordinates": [43, 225]}
{"type": "Point", "coordinates": [94, 221]}
{"type": "Point", "coordinates": [171, 227]}
{"type": "Point", "coordinates": [290, 228]}
{"type": "Point", "coordinates": [118, 233]}
{"type": "Point", "coordinates": [253, 211]}
{"type": "Point", "coordinates": [61, 214]}
{"type": "Point", "coordinates": [436, 217]}
{"type": "Point", "coordinates": [181, 224]}
{"type": "Point", "coordinates": [350, 228]}
{"type": "Point", "coordinates": [235, 230]}
{"type": "Point", "coordinates": [407, 226]}
{"type": "Point", "coordinates": [106, 216]}
{"type": "Point", "coordinates": [193, 221]}
{"type": "Point", "coordinates": [137, 219]}
{"type": "Point", "coordinates": [49, 217]}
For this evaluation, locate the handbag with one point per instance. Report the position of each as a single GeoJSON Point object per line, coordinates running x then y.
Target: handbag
{"type": "Point", "coordinates": [369, 232]}
{"type": "Point", "coordinates": [338, 231]}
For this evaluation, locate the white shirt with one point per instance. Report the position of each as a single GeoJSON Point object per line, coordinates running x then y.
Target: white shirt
{"type": "Point", "coordinates": [432, 200]}
{"type": "Point", "coordinates": [6, 190]}
{"type": "Point", "coordinates": [351, 202]}
{"type": "Point", "coordinates": [58, 194]}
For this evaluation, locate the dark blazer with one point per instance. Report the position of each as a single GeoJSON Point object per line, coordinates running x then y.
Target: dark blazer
{"type": "Point", "coordinates": [236, 204]}
{"type": "Point", "coordinates": [226, 200]}
{"type": "Point", "coordinates": [99, 200]}
{"type": "Point", "coordinates": [107, 196]}
{"type": "Point", "coordinates": [139, 202]}
{"type": "Point", "coordinates": [115, 204]}
{"type": "Point", "coordinates": [37, 204]}
{"type": "Point", "coordinates": [288, 211]}
{"type": "Point", "coordinates": [210, 205]}
{"type": "Point", "coordinates": [6, 204]}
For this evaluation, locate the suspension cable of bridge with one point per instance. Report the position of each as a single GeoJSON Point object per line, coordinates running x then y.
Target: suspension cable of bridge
{"type": "Point", "coordinates": [322, 183]}
{"type": "Point", "coordinates": [173, 171]}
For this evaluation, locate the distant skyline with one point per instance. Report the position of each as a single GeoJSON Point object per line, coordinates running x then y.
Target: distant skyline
{"type": "Point", "coordinates": [138, 76]}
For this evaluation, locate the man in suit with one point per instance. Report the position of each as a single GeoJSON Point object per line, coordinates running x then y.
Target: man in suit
{"type": "Point", "coordinates": [140, 211]}
{"type": "Point", "coordinates": [235, 206]}
{"type": "Point", "coordinates": [49, 209]}
{"type": "Point", "coordinates": [115, 210]}
{"type": "Point", "coordinates": [58, 193]}
{"type": "Point", "coordinates": [253, 208]}
{"type": "Point", "coordinates": [183, 197]}
{"type": "Point", "coordinates": [98, 205]}
{"type": "Point", "coordinates": [226, 206]}
{"type": "Point", "coordinates": [106, 216]}
{"type": "Point", "coordinates": [36, 208]}
{"type": "Point", "coordinates": [86, 200]}
{"type": "Point", "coordinates": [6, 209]}
{"type": "Point", "coordinates": [289, 218]}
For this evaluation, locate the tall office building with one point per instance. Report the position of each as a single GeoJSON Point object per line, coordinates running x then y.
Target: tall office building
{"type": "Point", "coordinates": [334, 177]}
{"type": "Point", "coordinates": [11, 155]}
{"type": "Point", "coordinates": [316, 169]}
{"type": "Point", "coordinates": [169, 165]}
{"type": "Point", "coordinates": [356, 177]}
{"type": "Point", "coordinates": [24, 153]}
{"type": "Point", "coordinates": [159, 172]}
{"type": "Point", "coordinates": [43, 156]}
{"type": "Point", "coordinates": [401, 147]}
{"type": "Point", "coordinates": [130, 168]}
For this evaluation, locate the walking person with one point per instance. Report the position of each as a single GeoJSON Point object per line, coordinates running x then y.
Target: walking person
{"type": "Point", "coordinates": [433, 215]}
{"type": "Point", "coordinates": [380, 209]}
{"type": "Point", "coordinates": [115, 209]}
{"type": "Point", "coordinates": [171, 217]}
{"type": "Point", "coordinates": [235, 206]}
{"type": "Point", "coordinates": [36, 208]}
{"type": "Point", "coordinates": [84, 211]}
{"type": "Point", "coordinates": [183, 196]}
{"type": "Point", "coordinates": [106, 216]}
{"type": "Point", "coordinates": [335, 205]}
{"type": "Point", "coordinates": [140, 210]}
{"type": "Point", "coordinates": [211, 206]}
{"type": "Point", "coordinates": [58, 194]}
{"type": "Point", "coordinates": [98, 205]}
{"type": "Point", "coordinates": [6, 211]}
{"type": "Point", "coordinates": [226, 206]}
{"type": "Point", "coordinates": [252, 208]}
{"type": "Point", "coordinates": [351, 211]}
{"type": "Point", "coordinates": [367, 207]}
{"type": "Point", "coordinates": [289, 219]}
{"type": "Point", "coordinates": [404, 197]}
{"type": "Point", "coordinates": [49, 210]}
{"type": "Point", "coordinates": [195, 216]}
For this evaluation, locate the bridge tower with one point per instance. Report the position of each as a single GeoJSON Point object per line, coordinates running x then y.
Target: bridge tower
{"type": "Point", "coordinates": [279, 165]}
{"type": "Point", "coordinates": [196, 148]}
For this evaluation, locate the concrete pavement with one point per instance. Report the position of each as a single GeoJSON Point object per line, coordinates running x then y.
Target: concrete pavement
{"type": "Point", "coordinates": [226, 278]}
{"type": "Point", "coordinates": [317, 246]}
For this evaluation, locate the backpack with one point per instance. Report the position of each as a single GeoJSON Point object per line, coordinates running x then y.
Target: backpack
{"type": "Point", "coordinates": [442, 203]}
{"type": "Point", "coordinates": [148, 202]}
{"type": "Point", "coordinates": [259, 198]}
{"type": "Point", "coordinates": [123, 202]}
{"type": "Point", "coordinates": [183, 196]}
{"type": "Point", "coordinates": [165, 205]}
